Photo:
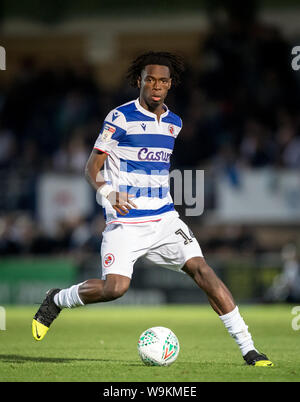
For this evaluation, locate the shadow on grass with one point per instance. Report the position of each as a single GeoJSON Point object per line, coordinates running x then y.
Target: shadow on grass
{"type": "Point", "coordinates": [20, 359]}
{"type": "Point", "coordinates": [38, 359]}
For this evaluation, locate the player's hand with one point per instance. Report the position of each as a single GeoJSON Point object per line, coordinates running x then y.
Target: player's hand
{"type": "Point", "coordinates": [121, 202]}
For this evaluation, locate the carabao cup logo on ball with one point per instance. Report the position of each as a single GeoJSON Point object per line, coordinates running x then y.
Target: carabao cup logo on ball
{"type": "Point", "coordinates": [158, 346]}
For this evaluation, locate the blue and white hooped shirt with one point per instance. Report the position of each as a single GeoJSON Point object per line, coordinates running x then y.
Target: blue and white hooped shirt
{"type": "Point", "coordinates": [139, 148]}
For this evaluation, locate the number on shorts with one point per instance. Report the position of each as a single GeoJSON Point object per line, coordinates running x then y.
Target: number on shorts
{"type": "Point", "coordinates": [187, 239]}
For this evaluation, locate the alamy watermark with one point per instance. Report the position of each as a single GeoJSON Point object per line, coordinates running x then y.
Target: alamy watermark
{"type": "Point", "coordinates": [189, 190]}
{"type": "Point", "coordinates": [2, 319]}
{"type": "Point", "coordinates": [296, 60]}
{"type": "Point", "coordinates": [2, 58]}
{"type": "Point", "coordinates": [296, 320]}
{"type": "Point", "coordinates": [188, 186]}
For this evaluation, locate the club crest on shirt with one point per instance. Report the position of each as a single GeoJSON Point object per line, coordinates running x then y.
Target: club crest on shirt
{"type": "Point", "coordinates": [108, 260]}
{"type": "Point", "coordinates": [171, 129]}
{"type": "Point", "coordinates": [107, 132]}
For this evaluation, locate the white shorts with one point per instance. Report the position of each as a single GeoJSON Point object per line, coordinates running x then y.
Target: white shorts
{"type": "Point", "coordinates": [168, 243]}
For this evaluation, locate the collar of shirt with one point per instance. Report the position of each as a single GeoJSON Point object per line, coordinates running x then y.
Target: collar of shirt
{"type": "Point", "coordinates": [147, 112]}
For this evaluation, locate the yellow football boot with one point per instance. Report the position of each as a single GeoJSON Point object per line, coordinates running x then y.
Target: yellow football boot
{"type": "Point", "coordinates": [38, 330]}
{"type": "Point", "coordinates": [45, 315]}
{"type": "Point", "coordinates": [264, 363]}
{"type": "Point", "coordinates": [254, 358]}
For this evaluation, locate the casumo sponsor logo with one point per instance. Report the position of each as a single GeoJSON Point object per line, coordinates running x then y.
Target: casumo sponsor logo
{"type": "Point", "coordinates": [145, 155]}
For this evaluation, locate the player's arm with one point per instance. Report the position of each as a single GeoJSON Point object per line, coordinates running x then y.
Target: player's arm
{"type": "Point", "coordinates": [92, 169]}
{"type": "Point", "coordinates": [120, 201]}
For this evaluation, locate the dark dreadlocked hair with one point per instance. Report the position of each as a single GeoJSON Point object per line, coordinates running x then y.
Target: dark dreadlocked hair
{"type": "Point", "coordinates": [173, 61]}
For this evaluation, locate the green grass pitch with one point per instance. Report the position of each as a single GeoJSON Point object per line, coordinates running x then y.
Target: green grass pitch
{"type": "Point", "coordinates": [99, 344]}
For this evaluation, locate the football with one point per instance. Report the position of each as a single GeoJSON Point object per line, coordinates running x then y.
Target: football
{"type": "Point", "coordinates": [158, 346]}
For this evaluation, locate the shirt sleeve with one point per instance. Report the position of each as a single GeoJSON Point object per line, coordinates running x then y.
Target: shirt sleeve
{"type": "Point", "coordinates": [113, 129]}
{"type": "Point", "coordinates": [179, 128]}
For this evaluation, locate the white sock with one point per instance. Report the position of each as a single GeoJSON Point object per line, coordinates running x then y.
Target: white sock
{"type": "Point", "coordinates": [238, 330]}
{"type": "Point", "coordinates": [68, 298]}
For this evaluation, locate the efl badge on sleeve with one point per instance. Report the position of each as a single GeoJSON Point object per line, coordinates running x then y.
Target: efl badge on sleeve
{"type": "Point", "coordinates": [107, 132]}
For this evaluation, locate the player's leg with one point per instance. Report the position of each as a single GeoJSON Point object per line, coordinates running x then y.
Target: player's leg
{"type": "Point", "coordinates": [118, 252]}
{"type": "Point", "coordinates": [98, 290]}
{"type": "Point", "coordinates": [217, 293]}
{"type": "Point", "coordinates": [90, 291]}
{"type": "Point", "coordinates": [93, 291]}
{"type": "Point", "coordinates": [178, 249]}
{"type": "Point", "coordinates": [222, 302]}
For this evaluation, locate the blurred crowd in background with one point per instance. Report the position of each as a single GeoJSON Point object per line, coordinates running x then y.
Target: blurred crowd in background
{"type": "Point", "coordinates": [239, 105]}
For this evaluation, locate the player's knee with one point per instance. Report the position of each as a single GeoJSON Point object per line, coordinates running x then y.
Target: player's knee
{"type": "Point", "coordinates": [118, 292]}
{"type": "Point", "coordinates": [199, 270]}
{"type": "Point", "coordinates": [115, 290]}
{"type": "Point", "coordinates": [196, 266]}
